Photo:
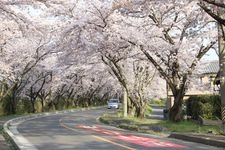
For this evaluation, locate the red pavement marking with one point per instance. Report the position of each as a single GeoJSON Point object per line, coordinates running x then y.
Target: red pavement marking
{"type": "Point", "coordinates": [143, 141]}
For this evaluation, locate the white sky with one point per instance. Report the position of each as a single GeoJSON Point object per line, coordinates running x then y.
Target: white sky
{"type": "Point", "coordinates": [211, 55]}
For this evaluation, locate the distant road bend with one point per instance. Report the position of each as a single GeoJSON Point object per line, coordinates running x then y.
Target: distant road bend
{"type": "Point", "coordinates": [81, 131]}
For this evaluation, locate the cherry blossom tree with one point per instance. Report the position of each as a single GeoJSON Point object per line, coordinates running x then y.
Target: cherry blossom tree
{"type": "Point", "coordinates": [213, 10]}
{"type": "Point", "coordinates": [132, 72]}
{"type": "Point", "coordinates": [173, 35]}
{"type": "Point", "coordinates": [216, 9]}
{"type": "Point", "coordinates": [24, 43]}
{"type": "Point", "coordinates": [92, 39]}
{"type": "Point", "coordinates": [115, 54]}
{"type": "Point", "coordinates": [36, 85]}
{"type": "Point", "coordinates": [26, 60]}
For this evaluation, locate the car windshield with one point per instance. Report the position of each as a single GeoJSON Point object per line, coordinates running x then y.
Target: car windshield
{"type": "Point", "coordinates": [114, 101]}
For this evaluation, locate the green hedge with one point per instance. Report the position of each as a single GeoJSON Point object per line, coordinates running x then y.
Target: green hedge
{"type": "Point", "coordinates": [158, 102]}
{"type": "Point", "coordinates": [148, 110]}
{"type": "Point", "coordinates": [207, 106]}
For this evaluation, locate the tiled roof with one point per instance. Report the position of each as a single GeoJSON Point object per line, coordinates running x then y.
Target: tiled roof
{"type": "Point", "coordinates": [211, 67]}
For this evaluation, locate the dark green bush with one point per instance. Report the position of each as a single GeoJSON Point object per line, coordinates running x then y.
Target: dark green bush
{"type": "Point", "coordinates": [207, 111]}
{"type": "Point", "coordinates": [6, 103]}
{"type": "Point", "coordinates": [207, 106]}
{"type": "Point", "coordinates": [24, 106]}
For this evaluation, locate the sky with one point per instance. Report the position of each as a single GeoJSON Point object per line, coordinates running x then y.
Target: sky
{"type": "Point", "coordinates": [211, 55]}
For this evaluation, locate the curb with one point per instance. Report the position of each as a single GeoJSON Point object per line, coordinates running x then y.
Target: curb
{"type": "Point", "coordinates": [18, 141]}
{"type": "Point", "coordinates": [192, 138]}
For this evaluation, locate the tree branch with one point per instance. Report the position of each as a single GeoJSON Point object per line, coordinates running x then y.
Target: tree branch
{"type": "Point", "coordinates": [213, 15]}
{"type": "Point", "coordinates": [214, 2]}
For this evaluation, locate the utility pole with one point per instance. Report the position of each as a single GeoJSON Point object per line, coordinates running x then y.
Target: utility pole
{"type": "Point", "coordinates": [221, 42]}
{"type": "Point", "coordinates": [222, 69]}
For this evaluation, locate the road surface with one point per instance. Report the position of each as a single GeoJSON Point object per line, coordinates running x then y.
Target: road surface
{"type": "Point", "coordinates": [81, 131]}
{"type": "Point", "coordinates": [157, 112]}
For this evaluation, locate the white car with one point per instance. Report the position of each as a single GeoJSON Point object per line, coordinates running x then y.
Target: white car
{"type": "Point", "coordinates": [113, 103]}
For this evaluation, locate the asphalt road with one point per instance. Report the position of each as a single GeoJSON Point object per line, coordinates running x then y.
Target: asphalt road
{"type": "Point", "coordinates": [157, 112]}
{"type": "Point", "coordinates": [81, 131]}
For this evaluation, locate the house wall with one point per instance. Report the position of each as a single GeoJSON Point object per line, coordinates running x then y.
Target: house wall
{"type": "Point", "coordinates": [206, 86]}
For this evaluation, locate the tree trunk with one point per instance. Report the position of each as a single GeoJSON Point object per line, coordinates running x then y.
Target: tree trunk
{"type": "Point", "coordinates": [130, 107]}
{"type": "Point", "coordinates": [13, 103]}
{"type": "Point", "coordinates": [33, 106]}
{"type": "Point", "coordinates": [50, 105]}
{"type": "Point", "coordinates": [67, 103]}
{"type": "Point", "coordinates": [42, 104]}
{"type": "Point", "coordinates": [175, 112]}
{"type": "Point", "coordinates": [140, 112]}
{"type": "Point", "coordinates": [125, 103]}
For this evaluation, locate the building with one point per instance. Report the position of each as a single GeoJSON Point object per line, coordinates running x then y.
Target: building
{"type": "Point", "coordinates": [205, 81]}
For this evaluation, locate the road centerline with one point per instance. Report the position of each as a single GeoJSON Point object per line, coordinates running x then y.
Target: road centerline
{"type": "Point", "coordinates": [109, 141]}
{"type": "Point", "coordinates": [97, 137]}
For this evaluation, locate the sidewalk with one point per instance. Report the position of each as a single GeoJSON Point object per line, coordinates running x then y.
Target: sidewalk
{"type": "Point", "coordinates": [207, 139]}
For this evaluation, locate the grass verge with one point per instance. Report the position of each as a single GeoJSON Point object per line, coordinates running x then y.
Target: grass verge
{"type": "Point", "coordinates": [158, 126]}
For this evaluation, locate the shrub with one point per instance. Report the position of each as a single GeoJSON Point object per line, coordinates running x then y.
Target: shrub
{"type": "Point", "coordinates": [158, 102]}
{"type": "Point", "coordinates": [207, 111]}
{"type": "Point", "coordinates": [207, 106]}
{"type": "Point", "coordinates": [148, 110]}
{"type": "Point", "coordinates": [6, 106]}
{"type": "Point", "coordinates": [24, 106]}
